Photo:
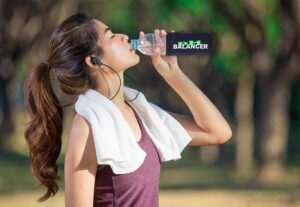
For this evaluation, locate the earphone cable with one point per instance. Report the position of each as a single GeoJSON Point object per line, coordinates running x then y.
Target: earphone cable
{"type": "Point", "coordinates": [121, 83]}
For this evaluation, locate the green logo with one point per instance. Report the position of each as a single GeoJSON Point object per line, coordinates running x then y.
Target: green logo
{"type": "Point", "coordinates": [191, 44]}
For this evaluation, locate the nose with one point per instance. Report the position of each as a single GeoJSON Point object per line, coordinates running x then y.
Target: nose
{"type": "Point", "coordinates": [125, 38]}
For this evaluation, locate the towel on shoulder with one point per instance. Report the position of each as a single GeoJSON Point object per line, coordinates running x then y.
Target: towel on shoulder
{"type": "Point", "coordinates": [114, 140]}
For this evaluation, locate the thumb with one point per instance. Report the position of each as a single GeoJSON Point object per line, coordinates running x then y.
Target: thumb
{"type": "Point", "coordinates": [157, 51]}
{"type": "Point", "coordinates": [156, 56]}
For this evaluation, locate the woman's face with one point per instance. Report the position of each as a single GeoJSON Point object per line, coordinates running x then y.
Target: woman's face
{"type": "Point", "coordinates": [117, 51]}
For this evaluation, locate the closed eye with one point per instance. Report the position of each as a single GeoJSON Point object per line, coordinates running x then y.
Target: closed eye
{"type": "Point", "coordinates": [112, 36]}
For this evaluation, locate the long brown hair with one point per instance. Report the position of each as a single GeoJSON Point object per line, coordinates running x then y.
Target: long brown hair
{"type": "Point", "coordinates": [73, 40]}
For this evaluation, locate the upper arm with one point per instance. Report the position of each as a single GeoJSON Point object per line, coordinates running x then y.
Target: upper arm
{"type": "Point", "coordinates": [80, 165]}
{"type": "Point", "coordinates": [199, 136]}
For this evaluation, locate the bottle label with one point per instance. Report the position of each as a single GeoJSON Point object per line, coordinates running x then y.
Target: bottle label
{"type": "Point", "coordinates": [187, 43]}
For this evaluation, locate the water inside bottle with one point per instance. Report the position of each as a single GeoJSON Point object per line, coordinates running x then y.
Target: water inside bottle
{"type": "Point", "coordinates": [148, 49]}
{"type": "Point", "coordinates": [147, 44]}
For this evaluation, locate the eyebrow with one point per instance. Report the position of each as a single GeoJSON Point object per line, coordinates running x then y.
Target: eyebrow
{"type": "Point", "coordinates": [106, 30]}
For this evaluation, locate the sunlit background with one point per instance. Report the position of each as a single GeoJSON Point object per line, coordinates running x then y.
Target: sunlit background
{"type": "Point", "coordinates": [252, 76]}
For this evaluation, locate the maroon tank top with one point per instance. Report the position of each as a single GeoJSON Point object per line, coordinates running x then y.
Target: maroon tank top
{"type": "Point", "coordinates": [135, 189]}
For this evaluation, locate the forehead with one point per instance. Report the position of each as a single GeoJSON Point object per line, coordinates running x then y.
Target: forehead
{"type": "Point", "coordinates": [101, 27]}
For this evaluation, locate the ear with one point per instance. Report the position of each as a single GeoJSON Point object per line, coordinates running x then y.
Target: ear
{"type": "Point", "coordinates": [90, 65]}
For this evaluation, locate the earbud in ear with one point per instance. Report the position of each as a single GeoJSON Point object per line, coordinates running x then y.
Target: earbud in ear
{"type": "Point", "coordinates": [95, 61]}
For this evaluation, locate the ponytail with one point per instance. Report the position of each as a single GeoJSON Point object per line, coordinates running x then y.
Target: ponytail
{"type": "Point", "coordinates": [44, 130]}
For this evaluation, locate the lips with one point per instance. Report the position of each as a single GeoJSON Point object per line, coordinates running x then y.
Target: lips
{"type": "Point", "coordinates": [131, 49]}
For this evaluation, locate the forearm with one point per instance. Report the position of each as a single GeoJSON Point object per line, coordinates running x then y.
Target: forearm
{"type": "Point", "coordinates": [205, 114]}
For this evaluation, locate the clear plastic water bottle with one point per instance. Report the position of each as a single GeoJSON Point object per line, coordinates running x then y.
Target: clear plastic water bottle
{"type": "Point", "coordinates": [148, 43]}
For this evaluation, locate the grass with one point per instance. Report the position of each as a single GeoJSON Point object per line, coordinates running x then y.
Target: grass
{"type": "Point", "coordinates": [185, 182]}
{"type": "Point", "coordinates": [179, 198]}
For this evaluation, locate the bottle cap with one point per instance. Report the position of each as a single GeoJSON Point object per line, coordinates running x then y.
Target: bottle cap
{"type": "Point", "coordinates": [134, 43]}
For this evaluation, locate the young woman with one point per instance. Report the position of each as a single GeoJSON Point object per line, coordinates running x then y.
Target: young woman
{"type": "Point", "coordinates": [104, 166]}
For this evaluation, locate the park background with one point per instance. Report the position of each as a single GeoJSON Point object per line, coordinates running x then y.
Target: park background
{"type": "Point", "coordinates": [252, 76]}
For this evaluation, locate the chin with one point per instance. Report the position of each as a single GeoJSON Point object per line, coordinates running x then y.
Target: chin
{"type": "Point", "coordinates": [135, 61]}
{"type": "Point", "coordinates": [138, 59]}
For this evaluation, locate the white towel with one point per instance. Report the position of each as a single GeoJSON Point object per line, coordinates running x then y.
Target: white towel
{"type": "Point", "coordinates": [115, 143]}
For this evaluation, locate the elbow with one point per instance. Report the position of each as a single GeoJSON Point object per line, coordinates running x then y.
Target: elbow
{"type": "Point", "coordinates": [224, 136]}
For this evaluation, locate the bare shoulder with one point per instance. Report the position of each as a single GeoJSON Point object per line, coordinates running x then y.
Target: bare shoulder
{"type": "Point", "coordinates": [80, 143]}
{"type": "Point", "coordinates": [80, 165]}
{"type": "Point", "coordinates": [80, 129]}
{"type": "Point", "coordinates": [80, 125]}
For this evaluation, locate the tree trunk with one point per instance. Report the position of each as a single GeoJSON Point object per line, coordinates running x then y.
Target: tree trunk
{"type": "Point", "coordinates": [245, 125]}
{"type": "Point", "coordinates": [274, 127]}
{"type": "Point", "coordinates": [7, 123]}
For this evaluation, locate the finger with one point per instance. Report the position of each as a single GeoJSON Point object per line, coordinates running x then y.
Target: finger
{"type": "Point", "coordinates": [142, 34]}
{"type": "Point", "coordinates": [156, 32]}
{"type": "Point", "coordinates": [163, 32]}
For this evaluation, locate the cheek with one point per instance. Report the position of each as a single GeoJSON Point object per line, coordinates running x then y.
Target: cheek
{"type": "Point", "coordinates": [119, 56]}
{"type": "Point", "coordinates": [115, 52]}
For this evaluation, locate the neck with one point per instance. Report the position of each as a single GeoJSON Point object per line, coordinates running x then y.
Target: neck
{"type": "Point", "coordinates": [112, 91]}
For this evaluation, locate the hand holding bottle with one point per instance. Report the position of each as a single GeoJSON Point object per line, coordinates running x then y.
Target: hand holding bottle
{"type": "Point", "coordinates": [165, 65]}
